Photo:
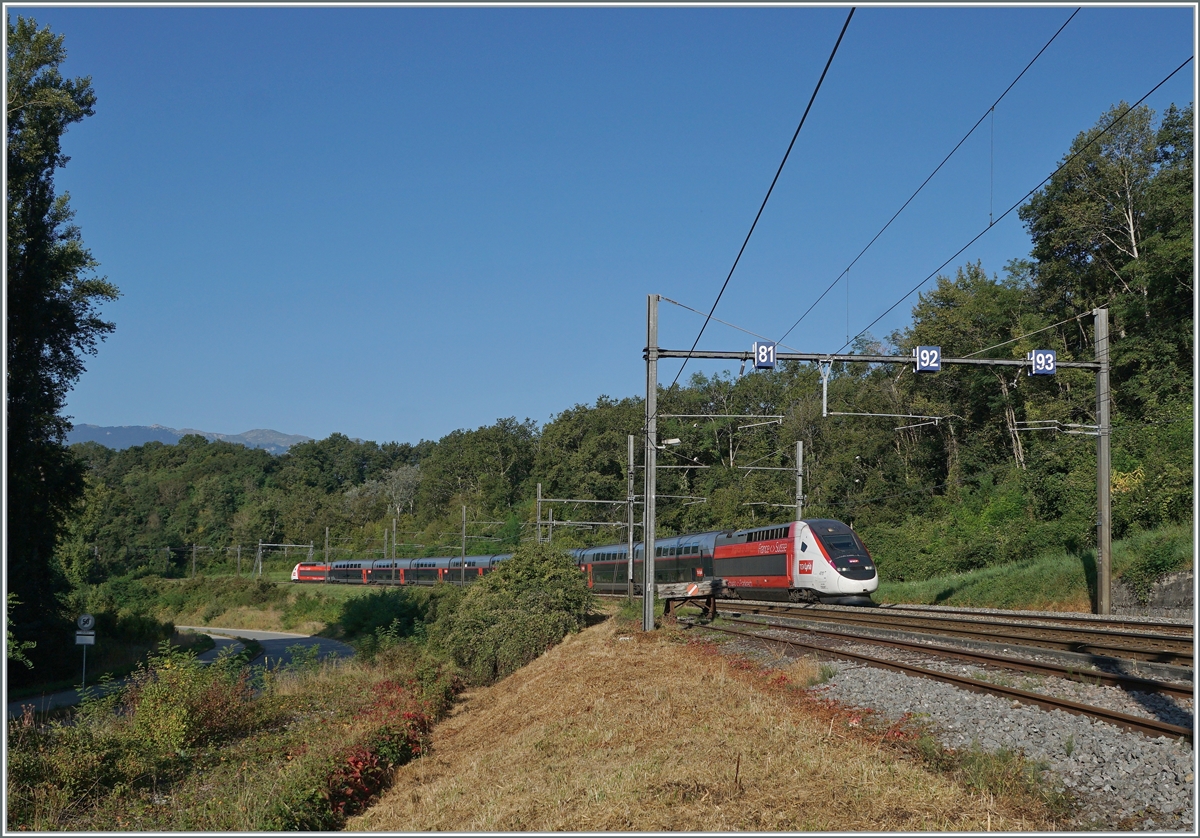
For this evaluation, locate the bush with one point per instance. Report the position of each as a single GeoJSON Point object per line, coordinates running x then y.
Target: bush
{"type": "Point", "coordinates": [526, 605]}
{"type": "Point", "coordinates": [1155, 555]}
{"type": "Point", "coordinates": [363, 616]}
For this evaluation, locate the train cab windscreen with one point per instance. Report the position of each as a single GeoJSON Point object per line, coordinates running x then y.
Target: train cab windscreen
{"type": "Point", "coordinates": [846, 550]}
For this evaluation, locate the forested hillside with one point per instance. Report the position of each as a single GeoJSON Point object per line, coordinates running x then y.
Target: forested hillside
{"type": "Point", "coordinates": [1112, 229]}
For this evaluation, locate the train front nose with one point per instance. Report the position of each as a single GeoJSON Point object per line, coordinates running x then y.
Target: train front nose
{"type": "Point", "coordinates": [858, 587]}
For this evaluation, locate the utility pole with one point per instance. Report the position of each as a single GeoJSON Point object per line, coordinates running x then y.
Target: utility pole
{"type": "Point", "coordinates": [193, 561]}
{"type": "Point", "coordinates": [1103, 470]}
{"type": "Point", "coordinates": [799, 480]}
{"type": "Point", "coordinates": [327, 545]}
{"type": "Point", "coordinates": [239, 561]}
{"type": "Point", "coordinates": [462, 565]}
{"type": "Point", "coordinates": [393, 538]}
{"type": "Point", "coordinates": [539, 514]}
{"type": "Point", "coordinates": [629, 520]}
{"type": "Point", "coordinates": [651, 462]}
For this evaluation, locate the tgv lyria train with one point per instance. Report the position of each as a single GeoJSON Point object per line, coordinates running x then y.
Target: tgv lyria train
{"type": "Point", "coordinates": [814, 560]}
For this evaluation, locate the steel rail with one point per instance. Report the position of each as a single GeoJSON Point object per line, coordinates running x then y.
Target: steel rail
{"type": "Point", "coordinates": [1149, 727]}
{"type": "Point", "coordinates": [1065, 617]}
{"type": "Point", "coordinates": [1030, 624]}
{"type": "Point", "coordinates": [1168, 651]}
{"type": "Point", "coordinates": [1126, 682]}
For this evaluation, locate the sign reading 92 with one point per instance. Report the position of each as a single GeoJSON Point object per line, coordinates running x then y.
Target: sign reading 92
{"type": "Point", "coordinates": [929, 358]}
{"type": "Point", "coordinates": [1042, 362]}
{"type": "Point", "coordinates": [764, 355]}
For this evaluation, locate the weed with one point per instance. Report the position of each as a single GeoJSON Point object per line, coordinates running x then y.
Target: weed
{"type": "Point", "coordinates": [1002, 773]}
{"type": "Point", "coordinates": [304, 658]}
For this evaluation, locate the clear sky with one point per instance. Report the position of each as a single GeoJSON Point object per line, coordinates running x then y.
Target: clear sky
{"type": "Point", "coordinates": [394, 222]}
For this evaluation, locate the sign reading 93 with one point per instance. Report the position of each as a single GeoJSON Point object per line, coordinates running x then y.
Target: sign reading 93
{"type": "Point", "coordinates": [764, 355]}
{"type": "Point", "coordinates": [929, 358]}
{"type": "Point", "coordinates": [1042, 362]}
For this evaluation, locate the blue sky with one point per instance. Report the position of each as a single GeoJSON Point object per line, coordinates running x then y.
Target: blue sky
{"type": "Point", "coordinates": [395, 222]}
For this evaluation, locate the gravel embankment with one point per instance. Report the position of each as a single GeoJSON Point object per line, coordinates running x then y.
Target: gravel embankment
{"type": "Point", "coordinates": [1121, 779]}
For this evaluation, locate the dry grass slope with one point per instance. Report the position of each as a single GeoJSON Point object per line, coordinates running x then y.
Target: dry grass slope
{"type": "Point", "coordinates": [618, 730]}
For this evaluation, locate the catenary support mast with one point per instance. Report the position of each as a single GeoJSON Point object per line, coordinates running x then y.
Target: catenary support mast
{"type": "Point", "coordinates": [651, 462]}
{"type": "Point", "coordinates": [1103, 470]}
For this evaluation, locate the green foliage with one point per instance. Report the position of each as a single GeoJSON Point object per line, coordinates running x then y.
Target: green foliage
{"type": "Point", "coordinates": [301, 755]}
{"type": "Point", "coordinates": [395, 608]}
{"type": "Point", "coordinates": [516, 612]}
{"type": "Point", "coordinates": [16, 649]}
{"type": "Point", "coordinates": [1050, 578]}
{"type": "Point", "coordinates": [1152, 555]}
{"type": "Point", "coordinates": [52, 298]}
{"type": "Point", "coordinates": [134, 736]}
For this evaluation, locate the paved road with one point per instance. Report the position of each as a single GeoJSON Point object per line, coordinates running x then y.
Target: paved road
{"type": "Point", "coordinates": [274, 643]}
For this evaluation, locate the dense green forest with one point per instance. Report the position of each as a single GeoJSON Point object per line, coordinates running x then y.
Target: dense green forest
{"type": "Point", "coordinates": [1113, 228]}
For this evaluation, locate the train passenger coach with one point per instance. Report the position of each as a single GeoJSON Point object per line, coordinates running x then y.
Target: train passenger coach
{"type": "Point", "coordinates": [814, 560]}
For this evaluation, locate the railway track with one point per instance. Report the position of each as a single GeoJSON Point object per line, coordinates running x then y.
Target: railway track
{"type": "Point", "coordinates": [1129, 683]}
{"type": "Point", "coordinates": [1171, 648]}
{"type": "Point", "coordinates": [1130, 623]}
{"type": "Point", "coordinates": [1149, 727]}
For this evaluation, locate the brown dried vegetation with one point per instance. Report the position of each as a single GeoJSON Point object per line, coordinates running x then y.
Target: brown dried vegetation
{"type": "Point", "coordinates": [619, 730]}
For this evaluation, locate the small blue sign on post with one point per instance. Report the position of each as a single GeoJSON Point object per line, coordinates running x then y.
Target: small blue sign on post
{"type": "Point", "coordinates": [928, 358]}
{"type": "Point", "coordinates": [1042, 362]}
{"type": "Point", "coordinates": [764, 355]}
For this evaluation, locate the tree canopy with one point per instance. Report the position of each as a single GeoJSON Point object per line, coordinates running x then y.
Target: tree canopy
{"type": "Point", "coordinates": [53, 322]}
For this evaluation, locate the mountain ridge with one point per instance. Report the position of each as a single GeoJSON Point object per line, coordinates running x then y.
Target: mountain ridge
{"type": "Point", "coordinates": [118, 437]}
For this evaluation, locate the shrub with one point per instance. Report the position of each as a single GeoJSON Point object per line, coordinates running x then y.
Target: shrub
{"type": "Point", "coordinates": [519, 610]}
{"type": "Point", "coordinates": [362, 616]}
{"type": "Point", "coordinates": [1156, 554]}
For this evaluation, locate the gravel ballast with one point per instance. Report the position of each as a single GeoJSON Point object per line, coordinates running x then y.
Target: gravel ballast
{"type": "Point", "coordinates": [1120, 779]}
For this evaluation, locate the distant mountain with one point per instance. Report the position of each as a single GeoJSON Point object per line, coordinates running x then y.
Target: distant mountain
{"type": "Point", "coordinates": [125, 436]}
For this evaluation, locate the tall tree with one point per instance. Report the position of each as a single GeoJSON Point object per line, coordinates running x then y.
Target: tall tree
{"type": "Point", "coordinates": [1114, 228]}
{"type": "Point", "coordinates": [53, 295]}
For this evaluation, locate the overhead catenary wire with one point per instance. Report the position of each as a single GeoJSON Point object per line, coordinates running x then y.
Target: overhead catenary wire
{"type": "Point", "coordinates": [771, 188]}
{"type": "Point", "coordinates": [1021, 200]}
{"type": "Point", "coordinates": [1029, 334]}
{"type": "Point", "coordinates": [990, 110]}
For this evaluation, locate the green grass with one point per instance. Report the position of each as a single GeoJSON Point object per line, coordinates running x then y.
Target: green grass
{"type": "Point", "coordinates": [1053, 580]}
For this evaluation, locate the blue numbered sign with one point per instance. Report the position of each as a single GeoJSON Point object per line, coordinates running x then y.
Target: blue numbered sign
{"type": "Point", "coordinates": [764, 355]}
{"type": "Point", "coordinates": [1042, 362]}
{"type": "Point", "coordinates": [929, 358]}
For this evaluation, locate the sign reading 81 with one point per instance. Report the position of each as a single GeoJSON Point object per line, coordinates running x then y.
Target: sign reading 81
{"type": "Point", "coordinates": [764, 355]}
